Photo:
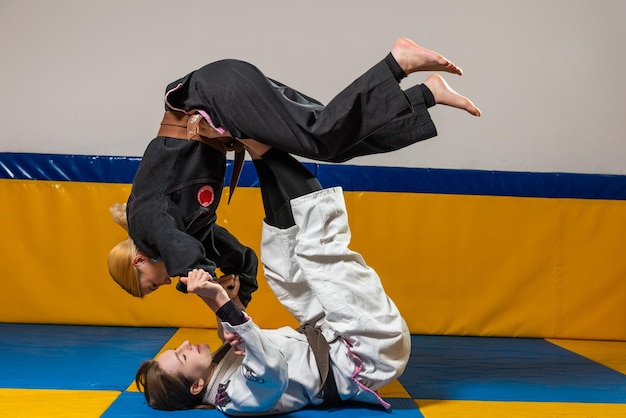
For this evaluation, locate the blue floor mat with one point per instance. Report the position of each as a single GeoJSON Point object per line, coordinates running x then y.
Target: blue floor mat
{"type": "Point", "coordinates": [445, 369]}
{"type": "Point", "coordinates": [75, 357]}
{"type": "Point", "coordinates": [507, 369]}
{"type": "Point", "coordinates": [132, 404]}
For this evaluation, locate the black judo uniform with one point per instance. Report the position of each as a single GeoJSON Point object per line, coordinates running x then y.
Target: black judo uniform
{"type": "Point", "coordinates": [171, 210]}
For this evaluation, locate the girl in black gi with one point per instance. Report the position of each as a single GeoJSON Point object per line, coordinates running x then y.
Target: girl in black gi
{"type": "Point", "coordinates": [171, 210]}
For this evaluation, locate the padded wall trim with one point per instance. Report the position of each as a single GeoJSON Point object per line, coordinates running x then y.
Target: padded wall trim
{"type": "Point", "coordinates": [112, 169]}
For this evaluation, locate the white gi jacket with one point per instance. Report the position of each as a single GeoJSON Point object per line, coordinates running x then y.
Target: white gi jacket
{"type": "Point", "coordinates": [321, 282]}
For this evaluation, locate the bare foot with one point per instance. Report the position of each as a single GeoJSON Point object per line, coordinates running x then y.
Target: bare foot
{"type": "Point", "coordinates": [413, 57]}
{"type": "Point", "coordinates": [254, 148]}
{"type": "Point", "coordinates": [446, 96]}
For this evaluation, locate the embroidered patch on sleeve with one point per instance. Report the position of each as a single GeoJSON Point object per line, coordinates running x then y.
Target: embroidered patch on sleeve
{"type": "Point", "coordinates": [251, 376]}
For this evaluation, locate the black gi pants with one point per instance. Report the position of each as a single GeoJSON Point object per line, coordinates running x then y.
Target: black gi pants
{"type": "Point", "coordinates": [371, 115]}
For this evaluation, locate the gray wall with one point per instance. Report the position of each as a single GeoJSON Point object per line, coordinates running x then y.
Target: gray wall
{"type": "Point", "coordinates": [86, 77]}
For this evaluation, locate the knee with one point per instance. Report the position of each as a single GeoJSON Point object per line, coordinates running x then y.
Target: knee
{"type": "Point", "coordinates": [228, 70]}
{"type": "Point", "coordinates": [232, 64]}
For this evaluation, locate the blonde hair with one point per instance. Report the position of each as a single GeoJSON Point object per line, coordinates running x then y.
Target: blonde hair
{"type": "Point", "coordinates": [120, 260]}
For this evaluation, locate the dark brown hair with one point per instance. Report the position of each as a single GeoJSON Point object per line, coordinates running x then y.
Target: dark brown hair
{"type": "Point", "coordinates": [165, 391]}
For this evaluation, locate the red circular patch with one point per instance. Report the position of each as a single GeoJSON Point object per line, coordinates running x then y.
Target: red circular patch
{"type": "Point", "coordinates": [205, 196]}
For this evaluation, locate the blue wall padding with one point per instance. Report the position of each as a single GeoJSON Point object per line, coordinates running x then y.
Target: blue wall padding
{"type": "Point", "coordinates": [111, 169]}
{"type": "Point", "coordinates": [97, 169]}
{"type": "Point", "coordinates": [473, 182]}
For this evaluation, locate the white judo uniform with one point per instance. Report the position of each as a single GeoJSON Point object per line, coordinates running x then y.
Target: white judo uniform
{"type": "Point", "coordinates": [321, 282]}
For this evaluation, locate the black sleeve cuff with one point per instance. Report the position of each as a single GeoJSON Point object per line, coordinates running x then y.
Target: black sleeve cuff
{"type": "Point", "coordinates": [229, 312]}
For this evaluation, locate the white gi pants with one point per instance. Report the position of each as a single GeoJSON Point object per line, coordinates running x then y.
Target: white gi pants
{"type": "Point", "coordinates": [314, 274]}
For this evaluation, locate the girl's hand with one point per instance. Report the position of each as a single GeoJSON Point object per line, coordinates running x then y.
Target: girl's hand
{"type": "Point", "coordinates": [236, 342]}
{"type": "Point", "coordinates": [230, 283]}
{"type": "Point", "coordinates": [202, 284]}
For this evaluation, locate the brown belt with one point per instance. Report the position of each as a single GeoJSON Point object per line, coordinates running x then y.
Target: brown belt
{"type": "Point", "coordinates": [321, 353]}
{"type": "Point", "coordinates": [194, 127]}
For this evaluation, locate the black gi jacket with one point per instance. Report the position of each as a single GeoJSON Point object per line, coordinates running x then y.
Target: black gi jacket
{"type": "Point", "coordinates": [166, 215]}
{"type": "Point", "coordinates": [171, 213]}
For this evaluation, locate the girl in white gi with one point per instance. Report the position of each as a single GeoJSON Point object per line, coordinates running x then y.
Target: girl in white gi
{"type": "Point", "coordinates": [308, 265]}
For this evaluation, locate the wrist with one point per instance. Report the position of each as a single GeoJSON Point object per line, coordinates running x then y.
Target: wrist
{"type": "Point", "coordinates": [215, 303]}
{"type": "Point", "coordinates": [237, 302]}
{"type": "Point", "coordinates": [231, 313]}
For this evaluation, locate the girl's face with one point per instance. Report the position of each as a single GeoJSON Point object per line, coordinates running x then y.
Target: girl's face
{"type": "Point", "coordinates": [152, 275]}
{"type": "Point", "coordinates": [192, 361]}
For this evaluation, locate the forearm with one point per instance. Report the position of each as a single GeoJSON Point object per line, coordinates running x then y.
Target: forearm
{"type": "Point", "coordinates": [231, 314]}
{"type": "Point", "coordinates": [232, 257]}
{"type": "Point", "coordinates": [217, 302]}
{"type": "Point", "coordinates": [238, 303]}
{"type": "Point", "coordinates": [215, 295]}
{"type": "Point", "coordinates": [220, 329]}
{"type": "Point", "coordinates": [226, 309]}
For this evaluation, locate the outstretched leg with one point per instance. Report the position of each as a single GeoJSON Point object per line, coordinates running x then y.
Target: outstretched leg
{"type": "Point", "coordinates": [412, 58]}
{"type": "Point", "coordinates": [275, 200]}
{"type": "Point", "coordinates": [281, 178]}
{"type": "Point", "coordinates": [278, 238]}
{"type": "Point", "coordinates": [444, 95]}
{"type": "Point", "coordinates": [354, 301]}
{"type": "Point", "coordinates": [414, 127]}
{"type": "Point", "coordinates": [315, 275]}
{"type": "Point", "coordinates": [239, 98]}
